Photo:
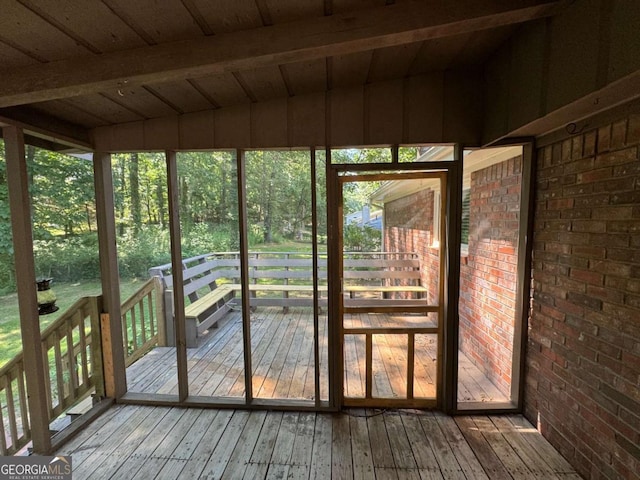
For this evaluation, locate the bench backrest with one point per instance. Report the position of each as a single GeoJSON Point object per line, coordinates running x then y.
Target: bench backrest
{"type": "Point", "coordinates": [201, 273]}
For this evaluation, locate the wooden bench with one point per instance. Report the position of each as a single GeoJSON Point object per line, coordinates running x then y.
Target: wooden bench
{"type": "Point", "coordinates": [211, 284]}
{"type": "Point", "coordinates": [206, 311]}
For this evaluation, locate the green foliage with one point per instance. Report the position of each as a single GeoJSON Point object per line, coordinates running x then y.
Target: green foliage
{"type": "Point", "coordinates": [68, 260]}
{"type": "Point", "coordinates": [62, 194]}
{"type": "Point", "coordinates": [278, 192]}
{"type": "Point", "coordinates": [137, 252]}
{"type": "Point", "coordinates": [204, 238]}
{"type": "Point", "coordinates": [361, 238]}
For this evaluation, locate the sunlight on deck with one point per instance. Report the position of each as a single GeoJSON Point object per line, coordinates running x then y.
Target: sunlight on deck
{"type": "Point", "coordinates": [283, 361]}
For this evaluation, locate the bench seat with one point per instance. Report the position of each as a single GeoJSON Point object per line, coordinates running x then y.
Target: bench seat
{"type": "Point", "coordinates": [282, 273]}
{"type": "Point", "coordinates": [206, 311]}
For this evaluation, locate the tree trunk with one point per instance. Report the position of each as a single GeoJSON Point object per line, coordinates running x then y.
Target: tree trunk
{"type": "Point", "coordinates": [268, 211]}
{"type": "Point", "coordinates": [123, 189]}
{"type": "Point", "coordinates": [134, 185]}
{"type": "Point", "coordinates": [160, 203]}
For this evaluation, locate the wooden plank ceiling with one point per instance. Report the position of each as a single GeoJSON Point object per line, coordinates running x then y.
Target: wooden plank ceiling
{"type": "Point", "coordinates": [54, 56]}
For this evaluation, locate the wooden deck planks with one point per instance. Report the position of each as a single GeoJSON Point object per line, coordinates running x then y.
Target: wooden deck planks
{"type": "Point", "coordinates": [321, 453]}
{"type": "Point", "coordinates": [482, 449]}
{"type": "Point", "coordinates": [341, 457]}
{"type": "Point", "coordinates": [258, 464]}
{"type": "Point", "coordinates": [169, 443]}
{"type": "Point", "coordinates": [237, 465]}
{"type": "Point", "coordinates": [363, 467]}
{"type": "Point", "coordinates": [283, 361]}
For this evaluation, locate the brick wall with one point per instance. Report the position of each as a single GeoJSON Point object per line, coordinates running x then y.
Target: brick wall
{"type": "Point", "coordinates": [488, 277]}
{"type": "Point", "coordinates": [583, 354]}
{"type": "Point", "coordinates": [409, 228]}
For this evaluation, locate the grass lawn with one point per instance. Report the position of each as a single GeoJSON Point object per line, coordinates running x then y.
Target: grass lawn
{"type": "Point", "coordinates": [67, 293]}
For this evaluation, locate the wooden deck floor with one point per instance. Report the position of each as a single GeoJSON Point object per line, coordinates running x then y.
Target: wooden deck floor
{"type": "Point", "coordinates": [283, 366]}
{"type": "Point", "coordinates": [136, 442]}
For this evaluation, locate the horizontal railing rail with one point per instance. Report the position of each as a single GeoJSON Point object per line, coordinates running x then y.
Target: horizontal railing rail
{"type": "Point", "coordinates": [72, 353]}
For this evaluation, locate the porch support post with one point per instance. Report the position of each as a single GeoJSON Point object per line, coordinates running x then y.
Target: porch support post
{"type": "Point", "coordinates": [179, 326]}
{"type": "Point", "coordinates": [20, 207]}
{"type": "Point", "coordinates": [523, 299]}
{"type": "Point", "coordinates": [113, 356]}
{"type": "Point", "coordinates": [241, 163]}
{"type": "Point", "coordinates": [447, 398]}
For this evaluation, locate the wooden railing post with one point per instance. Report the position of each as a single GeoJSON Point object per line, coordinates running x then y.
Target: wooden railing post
{"type": "Point", "coordinates": [97, 368]}
{"type": "Point", "coordinates": [161, 323]}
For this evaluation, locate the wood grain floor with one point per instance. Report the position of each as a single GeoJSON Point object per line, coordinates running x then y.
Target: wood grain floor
{"type": "Point", "coordinates": [142, 442]}
{"type": "Point", "coordinates": [283, 361]}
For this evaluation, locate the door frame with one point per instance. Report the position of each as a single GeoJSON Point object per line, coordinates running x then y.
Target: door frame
{"type": "Point", "coordinates": [362, 172]}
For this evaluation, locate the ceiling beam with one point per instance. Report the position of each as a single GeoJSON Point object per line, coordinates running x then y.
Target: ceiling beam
{"type": "Point", "coordinates": [52, 131]}
{"type": "Point", "coordinates": [272, 45]}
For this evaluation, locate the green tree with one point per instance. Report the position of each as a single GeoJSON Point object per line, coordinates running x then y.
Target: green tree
{"type": "Point", "coordinates": [62, 194]}
{"type": "Point", "coordinates": [134, 187]}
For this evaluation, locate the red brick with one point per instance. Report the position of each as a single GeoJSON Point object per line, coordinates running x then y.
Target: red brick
{"type": "Point", "coordinates": [583, 165]}
{"type": "Point", "coordinates": [573, 238]}
{"type": "Point", "coordinates": [573, 261]}
{"type": "Point", "coordinates": [617, 185]}
{"type": "Point", "coordinates": [560, 204]}
{"type": "Point", "coordinates": [569, 307]}
{"type": "Point", "coordinates": [605, 294]}
{"type": "Point", "coordinates": [576, 212]}
{"type": "Point", "coordinates": [633, 301]}
{"type": "Point", "coordinates": [576, 147]}
{"type": "Point", "coordinates": [566, 150]}
{"type": "Point", "coordinates": [619, 134]}
{"type": "Point", "coordinates": [633, 129]}
{"type": "Point", "coordinates": [618, 157]}
{"type": "Point", "coordinates": [557, 225]}
{"type": "Point", "coordinates": [589, 146]}
{"type": "Point", "coordinates": [588, 226]}
{"type": "Point", "coordinates": [609, 240]}
{"type": "Point", "coordinates": [598, 346]}
{"type": "Point", "coordinates": [604, 138]}
{"type": "Point", "coordinates": [585, 300]}
{"type": "Point", "coordinates": [595, 175]}
{"type": "Point", "coordinates": [631, 255]}
{"type": "Point", "coordinates": [612, 213]}
{"type": "Point", "coordinates": [621, 226]}
{"type": "Point", "coordinates": [593, 278]}
{"type": "Point", "coordinates": [632, 168]}
{"type": "Point", "coordinates": [555, 247]}
{"type": "Point", "coordinates": [594, 200]}
{"type": "Point", "coordinates": [589, 251]}
{"type": "Point", "coordinates": [610, 268]}
{"type": "Point", "coordinates": [621, 198]}
{"type": "Point", "coordinates": [625, 314]}
{"type": "Point", "coordinates": [576, 190]}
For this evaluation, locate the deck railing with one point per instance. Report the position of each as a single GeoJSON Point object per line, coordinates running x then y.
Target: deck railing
{"type": "Point", "coordinates": [73, 368]}
{"type": "Point", "coordinates": [142, 321]}
{"type": "Point", "coordinates": [72, 351]}
{"type": "Point", "coordinates": [73, 360]}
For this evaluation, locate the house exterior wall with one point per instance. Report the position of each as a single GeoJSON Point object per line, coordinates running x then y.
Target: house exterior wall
{"type": "Point", "coordinates": [408, 227]}
{"type": "Point", "coordinates": [488, 277]}
{"type": "Point", "coordinates": [583, 355]}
